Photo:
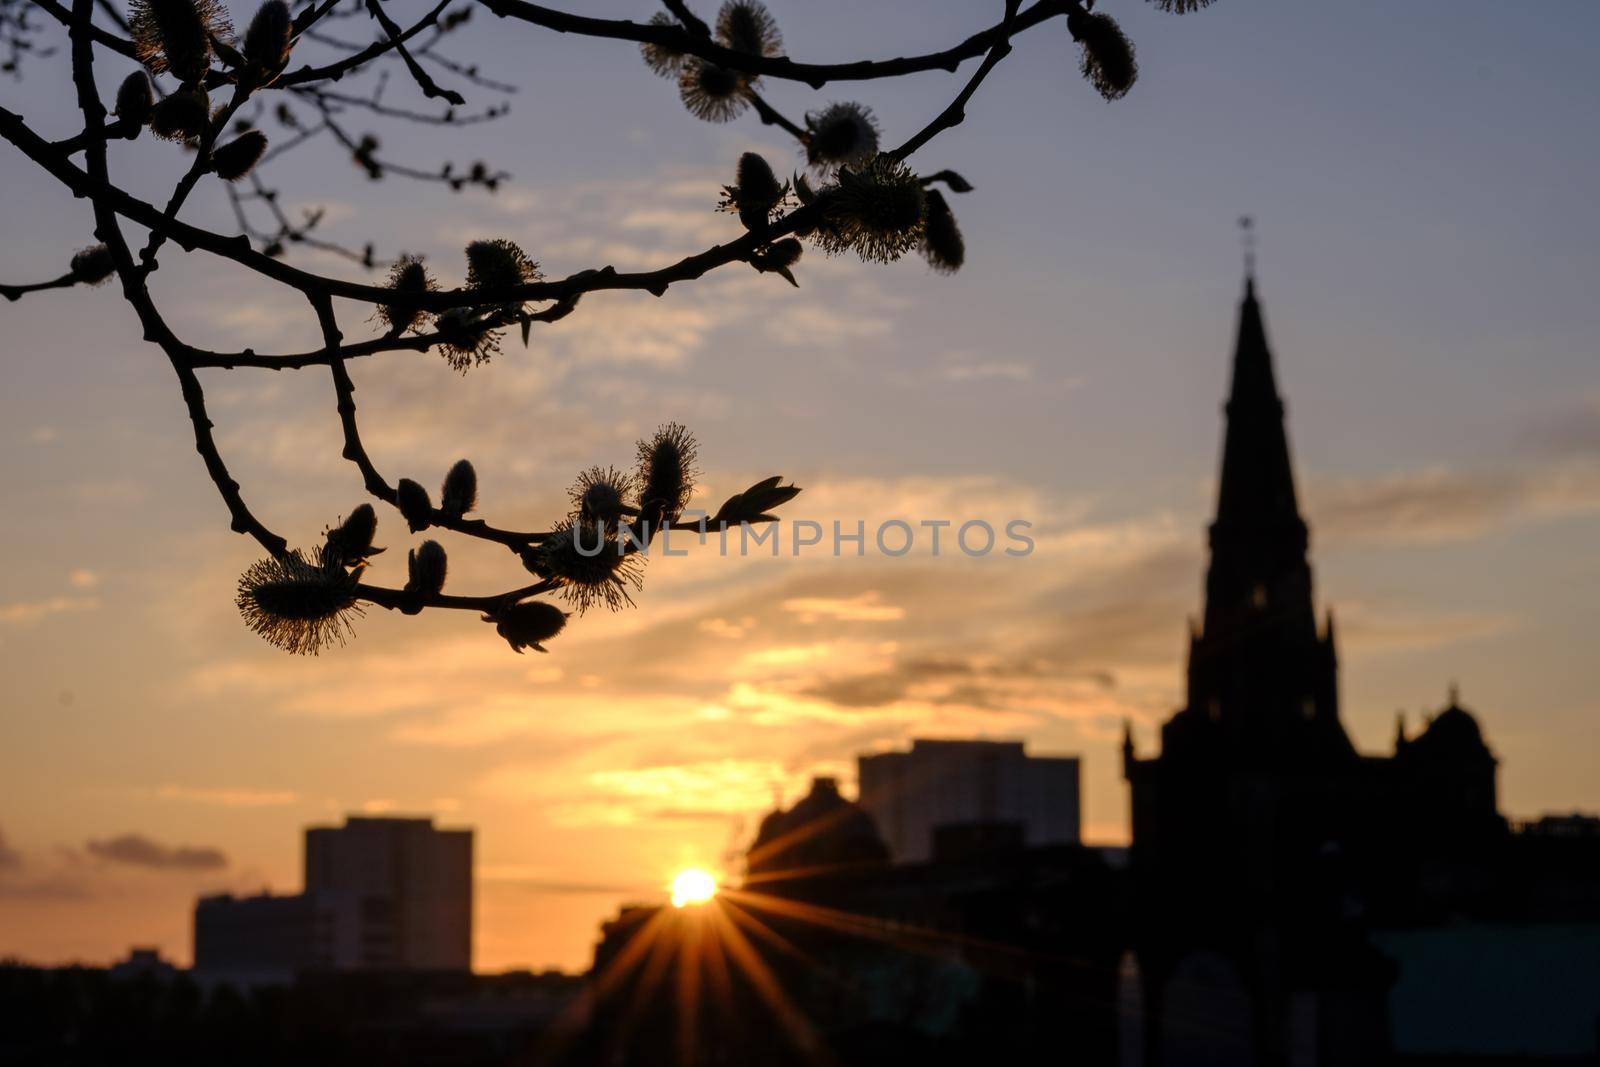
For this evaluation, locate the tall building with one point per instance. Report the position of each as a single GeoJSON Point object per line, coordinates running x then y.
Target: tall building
{"type": "Point", "coordinates": [380, 894]}
{"type": "Point", "coordinates": [946, 785]}
{"type": "Point", "coordinates": [412, 885]}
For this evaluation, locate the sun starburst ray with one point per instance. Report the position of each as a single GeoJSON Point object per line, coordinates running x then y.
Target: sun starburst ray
{"type": "Point", "coordinates": [768, 988]}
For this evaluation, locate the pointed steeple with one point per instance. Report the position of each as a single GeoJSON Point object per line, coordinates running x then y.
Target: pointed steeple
{"type": "Point", "coordinates": [1257, 479]}
{"type": "Point", "coordinates": [1259, 667]}
{"type": "Point", "coordinates": [1258, 541]}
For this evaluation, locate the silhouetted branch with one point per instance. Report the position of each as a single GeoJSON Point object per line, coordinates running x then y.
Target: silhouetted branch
{"type": "Point", "coordinates": [202, 358]}
{"type": "Point", "coordinates": [465, 71]}
{"type": "Point", "coordinates": [120, 45]}
{"type": "Point", "coordinates": [770, 116]}
{"type": "Point", "coordinates": [956, 112]}
{"type": "Point", "coordinates": [866, 201]}
{"type": "Point", "coordinates": [186, 184]}
{"type": "Point", "coordinates": [816, 75]}
{"type": "Point", "coordinates": [287, 232]}
{"type": "Point", "coordinates": [446, 118]}
{"type": "Point", "coordinates": [399, 599]}
{"type": "Point", "coordinates": [424, 82]}
{"type": "Point", "coordinates": [114, 15]}
{"type": "Point", "coordinates": [356, 452]}
{"type": "Point", "coordinates": [133, 287]}
{"type": "Point", "coordinates": [15, 292]}
{"type": "Point", "coordinates": [335, 71]}
{"type": "Point", "coordinates": [114, 128]}
{"type": "Point", "coordinates": [238, 250]}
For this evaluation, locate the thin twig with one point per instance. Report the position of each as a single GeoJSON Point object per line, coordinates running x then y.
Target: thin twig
{"type": "Point", "coordinates": [428, 86]}
{"type": "Point", "coordinates": [15, 292]}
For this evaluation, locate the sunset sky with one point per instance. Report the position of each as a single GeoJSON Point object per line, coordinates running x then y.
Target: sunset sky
{"type": "Point", "coordinates": [1422, 178]}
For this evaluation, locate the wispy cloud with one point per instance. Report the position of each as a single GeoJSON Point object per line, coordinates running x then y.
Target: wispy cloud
{"type": "Point", "coordinates": [809, 325]}
{"type": "Point", "coordinates": [227, 797]}
{"type": "Point", "coordinates": [136, 850]}
{"type": "Point", "coordinates": [1439, 505]}
{"type": "Point", "coordinates": [995, 370]}
{"type": "Point", "coordinates": [25, 612]}
{"type": "Point", "coordinates": [1367, 626]}
{"type": "Point", "coordinates": [864, 607]}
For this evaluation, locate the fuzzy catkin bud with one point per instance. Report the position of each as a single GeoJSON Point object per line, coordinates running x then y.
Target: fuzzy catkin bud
{"type": "Point", "coordinates": [93, 265]}
{"type": "Point", "coordinates": [942, 245]}
{"type": "Point", "coordinates": [589, 565]}
{"type": "Point", "coordinates": [464, 341]}
{"type": "Point", "coordinates": [1108, 62]}
{"type": "Point", "coordinates": [428, 566]}
{"type": "Point", "coordinates": [876, 210]}
{"type": "Point", "coordinates": [413, 502]}
{"type": "Point", "coordinates": [712, 93]}
{"type": "Point", "coordinates": [300, 604]}
{"type": "Point", "coordinates": [600, 497]}
{"type": "Point", "coordinates": [747, 26]}
{"type": "Point", "coordinates": [182, 116]}
{"type": "Point", "coordinates": [757, 191]}
{"type": "Point", "coordinates": [667, 470]}
{"type": "Point", "coordinates": [459, 494]}
{"type": "Point", "coordinates": [408, 280]}
{"type": "Point", "coordinates": [498, 264]}
{"type": "Point", "coordinates": [135, 99]}
{"type": "Point", "coordinates": [665, 61]}
{"type": "Point", "coordinates": [602, 503]}
{"type": "Point", "coordinates": [350, 542]}
{"type": "Point", "coordinates": [266, 42]}
{"type": "Point", "coordinates": [529, 624]}
{"type": "Point", "coordinates": [239, 156]}
{"type": "Point", "coordinates": [175, 35]}
{"type": "Point", "coordinates": [840, 134]}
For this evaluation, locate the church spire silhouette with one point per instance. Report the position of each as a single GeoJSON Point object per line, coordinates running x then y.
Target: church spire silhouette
{"type": "Point", "coordinates": [1259, 540]}
{"type": "Point", "coordinates": [1262, 840]}
{"type": "Point", "coordinates": [1258, 667]}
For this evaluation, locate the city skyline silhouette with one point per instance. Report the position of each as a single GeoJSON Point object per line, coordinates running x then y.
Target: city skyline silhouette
{"type": "Point", "coordinates": [1435, 345]}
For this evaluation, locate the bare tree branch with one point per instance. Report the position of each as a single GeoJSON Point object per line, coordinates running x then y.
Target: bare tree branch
{"type": "Point", "coordinates": [816, 75]}
{"type": "Point", "coordinates": [866, 201]}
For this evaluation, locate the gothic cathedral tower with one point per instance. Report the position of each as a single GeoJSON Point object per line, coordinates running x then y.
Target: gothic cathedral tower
{"type": "Point", "coordinates": [1243, 823]}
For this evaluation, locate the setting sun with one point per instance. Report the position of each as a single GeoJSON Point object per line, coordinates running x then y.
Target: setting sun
{"type": "Point", "coordinates": [692, 886]}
